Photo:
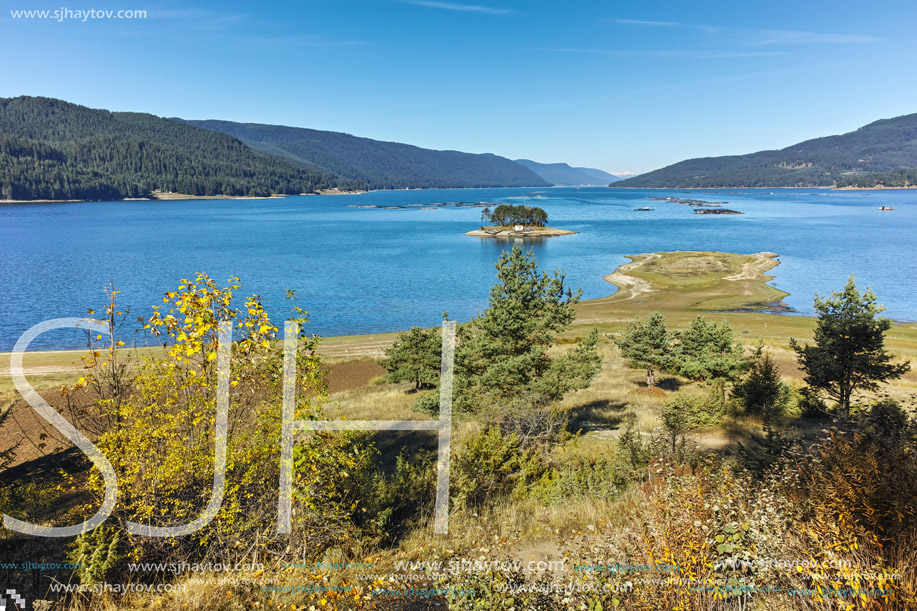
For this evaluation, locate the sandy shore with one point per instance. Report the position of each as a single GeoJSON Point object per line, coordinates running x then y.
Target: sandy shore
{"type": "Point", "coordinates": [539, 232]}
{"type": "Point", "coordinates": [625, 282]}
{"type": "Point", "coordinates": [170, 196]}
{"type": "Point", "coordinates": [762, 262]}
{"type": "Point", "coordinates": [879, 188]}
{"type": "Point", "coordinates": [336, 191]}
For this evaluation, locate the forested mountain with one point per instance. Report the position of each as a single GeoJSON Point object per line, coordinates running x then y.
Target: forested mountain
{"type": "Point", "coordinates": [381, 165]}
{"type": "Point", "coordinates": [883, 146]}
{"type": "Point", "coordinates": [895, 179]}
{"type": "Point", "coordinates": [564, 174]}
{"type": "Point", "coordinates": [50, 149]}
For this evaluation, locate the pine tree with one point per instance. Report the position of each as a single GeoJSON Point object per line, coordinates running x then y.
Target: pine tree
{"type": "Point", "coordinates": [849, 353]}
{"type": "Point", "coordinates": [502, 361]}
{"type": "Point", "coordinates": [762, 391]}
{"type": "Point", "coordinates": [706, 351]}
{"type": "Point", "coordinates": [414, 357]}
{"type": "Point", "coordinates": [647, 345]}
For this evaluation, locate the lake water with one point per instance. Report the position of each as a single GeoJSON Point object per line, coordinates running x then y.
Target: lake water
{"type": "Point", "coordinates": [362, 270]}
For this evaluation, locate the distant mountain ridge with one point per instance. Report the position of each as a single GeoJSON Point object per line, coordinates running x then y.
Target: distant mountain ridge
{"type": "Point", "coordinates": [379, 164]}
{"type": "Point", "coordinates": [562, 174]}
{"type": "Point", "coordinates": [859, 158]}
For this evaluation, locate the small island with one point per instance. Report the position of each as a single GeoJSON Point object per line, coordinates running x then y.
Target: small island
{"type": "Point", "coordinates": [508, 221]}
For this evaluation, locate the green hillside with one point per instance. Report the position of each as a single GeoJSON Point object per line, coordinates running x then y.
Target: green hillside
{"type": "Point", "coordinates": [884, 146]}
{"type": "Point", "coordinates": [896, 179]}
{"type": "Point", "coordinates": [51, 149]}
{"type": "Point", "coordinates": [381, 165]}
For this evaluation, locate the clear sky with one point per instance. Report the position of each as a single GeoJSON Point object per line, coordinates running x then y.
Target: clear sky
{"type": "Point", "coordinates": [622, 86]}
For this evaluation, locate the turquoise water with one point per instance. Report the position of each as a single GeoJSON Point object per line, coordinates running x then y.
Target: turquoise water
{"type": "Point", "coordinates": [362, 270]}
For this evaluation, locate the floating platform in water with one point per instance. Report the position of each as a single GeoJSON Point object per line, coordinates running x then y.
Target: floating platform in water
{"type": "Point", "coordinates": [716, 211]}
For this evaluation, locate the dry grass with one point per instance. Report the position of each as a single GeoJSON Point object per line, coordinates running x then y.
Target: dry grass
{"type": "Point", "coordinates": [616, 394]}
{"type": "Point", "coordinates": [388, 402]}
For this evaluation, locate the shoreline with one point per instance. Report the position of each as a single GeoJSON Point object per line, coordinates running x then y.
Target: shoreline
{"type": "Point", "coordinates": [875, 188]}
{"type": "Point", "coordinates": [167, 197]}
{"type": "Point", "coordinates": [185, 197]}
{"type": "Point", "coordinates": [714, 188]}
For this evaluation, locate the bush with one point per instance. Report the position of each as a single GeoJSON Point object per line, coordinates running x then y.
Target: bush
{"type": "Point", "coordinates": [631, 445]}
{"type": "Point", "coordinates": [427, 403]}
{"type": "Point", "coordinates": [491, 466]}
{"type": "Point", "coordinates": [96, 553]}
{"type": "Point", "coordinates": [685, 412]}
{"type": "Point", "coordinates": [833, 514]}
{"type": "Point", "coordinates": [704, 521]}
{"type": "Point", "coordinates": [400, 500]}
{"type": "Point", "coordinates": [810, 405]}
{"type": "Point", "coordinates": [759, 457]}
{"type": "Point", "coordinates": [861, 476]}
{"type": "Point", "coordinates": [6, 453]}
{"type": "Point", "coordinates": [531, 424]}
{"type": "Point", "coordinates": [604, 478]}
{"type": "Point", "coordinates": [853, 496]}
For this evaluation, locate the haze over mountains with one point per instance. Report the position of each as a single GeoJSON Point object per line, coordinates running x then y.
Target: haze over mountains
{"type": "Point", "coordinates": [883, 153]}
{"type": "Point", "coordinates": [561, 174]}
{"type": "Point", "coordinates": [379, 165]}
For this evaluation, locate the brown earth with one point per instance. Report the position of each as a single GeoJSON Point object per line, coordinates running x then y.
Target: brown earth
{"type": "Point", "coordinates": [351, 375]}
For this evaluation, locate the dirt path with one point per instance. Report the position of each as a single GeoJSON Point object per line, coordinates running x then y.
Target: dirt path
{"type": "Point", "coordinates": [625, 282]}
{"type": "Point", "coordinates": [762, 262]}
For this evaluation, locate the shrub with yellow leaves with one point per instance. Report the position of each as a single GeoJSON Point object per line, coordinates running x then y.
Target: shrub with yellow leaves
{"type": "Point", "coordinates": [160, 437]}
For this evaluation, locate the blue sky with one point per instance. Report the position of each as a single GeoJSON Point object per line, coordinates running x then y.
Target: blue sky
{"type": "Point", "coordinates": [622, 86]}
